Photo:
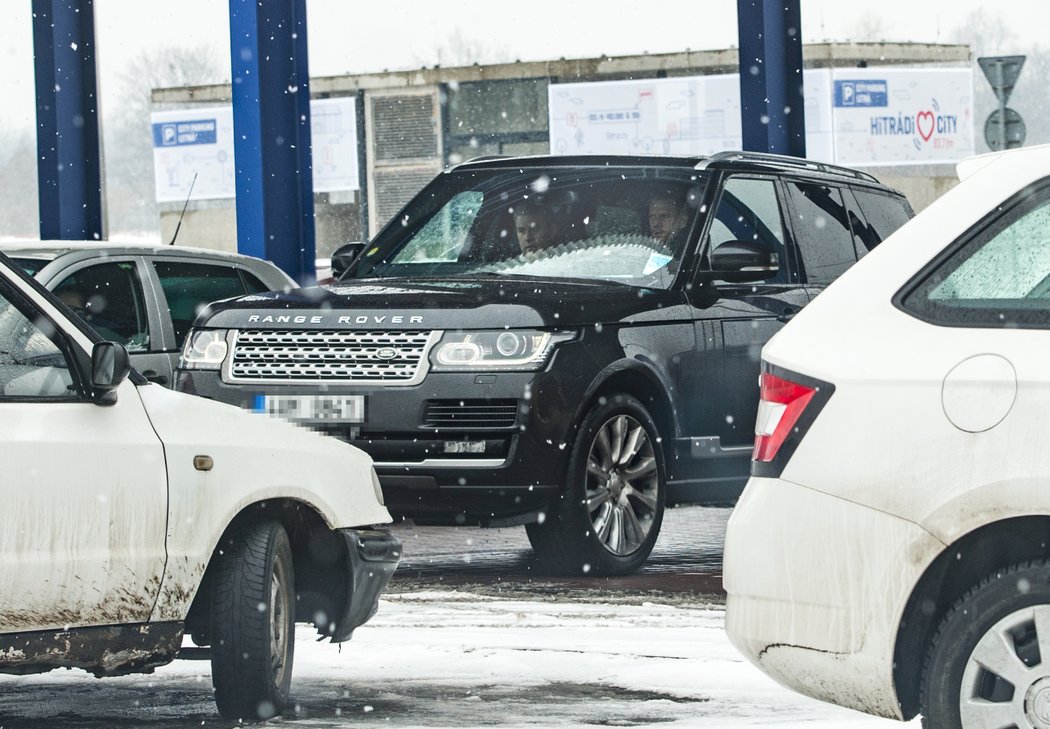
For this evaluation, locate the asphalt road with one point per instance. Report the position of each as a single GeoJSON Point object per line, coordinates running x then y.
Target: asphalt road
{"type": "Point", "coordinates": [687, 558]}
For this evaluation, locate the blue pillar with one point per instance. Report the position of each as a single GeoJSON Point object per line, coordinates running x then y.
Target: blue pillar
{"type": "Point", "coordinates": [772, 106]}
{"type": "Point", "coordinates": [271, 123]}
{"type": "Point", "coordinates": [68, 169]}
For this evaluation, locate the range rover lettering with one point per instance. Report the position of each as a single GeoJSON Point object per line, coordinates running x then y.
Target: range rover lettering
{"type": "Point", "coordinates": [563, 343]}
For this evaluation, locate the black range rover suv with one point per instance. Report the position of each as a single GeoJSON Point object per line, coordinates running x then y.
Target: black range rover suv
{"type": "Point", "coordinates": [567, 343]}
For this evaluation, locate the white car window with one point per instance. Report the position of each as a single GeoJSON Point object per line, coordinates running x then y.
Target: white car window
{"type": "Point", "coordinates": [31, 364]}
{"type": "Point", "coordinates": [997, 276]}
{"type": "Point", "coordinates": [1015, 264]}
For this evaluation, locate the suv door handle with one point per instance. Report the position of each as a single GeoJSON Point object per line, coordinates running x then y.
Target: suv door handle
{"type": "Point", "coordinates": [152, 376]}
{"type": "Point", "coordinates": [788, 314]}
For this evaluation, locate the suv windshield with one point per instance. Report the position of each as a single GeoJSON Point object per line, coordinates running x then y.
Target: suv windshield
{"type": "Point", "coordinates": [626, 224]}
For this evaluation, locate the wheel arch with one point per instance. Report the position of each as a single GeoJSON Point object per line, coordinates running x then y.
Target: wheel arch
{"type": "Point", "coordinates": [958, 567]}
{"type": "Point", "coordinates": [318, 561]}
{"type": "Point", "coordinates": [642, 382]}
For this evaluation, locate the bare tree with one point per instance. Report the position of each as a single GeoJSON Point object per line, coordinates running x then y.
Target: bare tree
{"type": "Point", "coordinates": [18, 184]}
{"type": "Point", "coordinates": [987, 33]}
{"type": "Point", "coordinates": [127, 135]}
{"type": "Point", "coordinates": [869, 26]}
{"type": "Point", "coordinates": [461, 50]}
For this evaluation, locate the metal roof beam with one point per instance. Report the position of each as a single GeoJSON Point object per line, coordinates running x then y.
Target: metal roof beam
{"type": "Point", "coordinates": [69, 175]}
{"type": "Point", "coordinates": [772, 106]}
{"type": "Point", "coordinates": [271, 123]}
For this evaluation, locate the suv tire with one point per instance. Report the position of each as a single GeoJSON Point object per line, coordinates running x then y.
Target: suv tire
{"type": "Point", "coordinates": [253, 623]}
{"type": "Point", "coordinates": [1003, 621]}
{"type": "Point", "coordinates": [608, 517]}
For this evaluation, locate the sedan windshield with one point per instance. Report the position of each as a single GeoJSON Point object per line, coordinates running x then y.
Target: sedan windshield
{"type": "Point", "coordinates": [625, 224]}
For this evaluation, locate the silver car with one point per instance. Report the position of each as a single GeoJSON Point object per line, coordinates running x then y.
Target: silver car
{"type": "Point", "coordinates": [143, 296]}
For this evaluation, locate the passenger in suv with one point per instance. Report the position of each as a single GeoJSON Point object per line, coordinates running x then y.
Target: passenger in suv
{"type": "Point", "coordinates": [576, 389]}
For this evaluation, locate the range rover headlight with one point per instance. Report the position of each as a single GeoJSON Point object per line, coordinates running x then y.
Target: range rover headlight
{"type": "Point", "coordinates": [204, 349]}
{"type": "Point", "coordinates": [522, 350]}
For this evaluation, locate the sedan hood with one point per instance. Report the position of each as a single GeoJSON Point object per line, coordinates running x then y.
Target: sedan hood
{"type": "Point", "coordinates": [460, 303]}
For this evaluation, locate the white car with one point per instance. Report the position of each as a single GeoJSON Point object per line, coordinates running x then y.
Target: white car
{"type": "Point", "coordinates": [132, 515]}
{"type": "Point", "coordinates": [891, 552]}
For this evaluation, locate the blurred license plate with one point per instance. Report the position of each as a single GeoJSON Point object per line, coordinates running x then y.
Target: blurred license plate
{"type": "Point", "coordinates": [341, 408]}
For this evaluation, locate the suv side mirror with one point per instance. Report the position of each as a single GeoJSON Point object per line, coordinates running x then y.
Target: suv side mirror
{"type": "Point", "coordinates": [740, 261]}
{"type": "Point", "coordinates": [110, 366]}
{"type": "Point", "coordinates": [344, 256]}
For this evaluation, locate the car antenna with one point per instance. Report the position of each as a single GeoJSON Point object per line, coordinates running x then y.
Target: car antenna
{"type": "Point", "coordinates": [183, 213]}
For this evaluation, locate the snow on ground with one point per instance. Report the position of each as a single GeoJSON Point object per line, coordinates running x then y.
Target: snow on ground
{"type": "Point", "coordinates": [457, 658]}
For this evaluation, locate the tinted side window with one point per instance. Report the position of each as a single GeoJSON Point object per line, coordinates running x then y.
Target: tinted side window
{"type": "Point", "coordinates": [822, 231]}
{"type": "Point", "coordinates": [189, 287]}
{"type": "Point", "coordinates": [749, 210]}
{"type": "Point", "coordinates": [998, 278]}
{"type": "Point", "coordinates": [32, 366]}
{"type": "Point", "coordinates": [108, 296]}
{"type": "Point", "coordinates": [881, 216]}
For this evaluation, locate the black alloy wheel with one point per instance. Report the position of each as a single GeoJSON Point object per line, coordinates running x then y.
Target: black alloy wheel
{"type": "Point", "coordinates": [609, 515]}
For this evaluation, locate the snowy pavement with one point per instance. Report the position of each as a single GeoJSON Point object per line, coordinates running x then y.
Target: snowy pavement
{"type": "Point", "coordinates": [453, 658]}
{"type": "Point", "coordinates": [471, 635]}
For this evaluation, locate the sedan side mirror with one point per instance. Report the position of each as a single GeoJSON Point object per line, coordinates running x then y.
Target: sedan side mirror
{"type": "Point", "coordinates": [344, 256]}
{"type": "Point", "coordinates": [110, 366]}
{"type": "Point", "coordinates": [740, 261]}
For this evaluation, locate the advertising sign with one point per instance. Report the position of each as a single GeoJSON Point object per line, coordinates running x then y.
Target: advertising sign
{"type": "Point", "coordinates": [856, 117]}
{"type": "Point", "coordinates": [694, 115]}
{"type": "Point", "coordinates": [199, 142]}
{"type": "Point", "coordinates": [888, 117]}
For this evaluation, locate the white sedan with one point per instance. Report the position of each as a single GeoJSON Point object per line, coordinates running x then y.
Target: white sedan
{"type": "Point", "coordinates": [891, 552]}
{"type": "Point", "coordinates": [132, 516]}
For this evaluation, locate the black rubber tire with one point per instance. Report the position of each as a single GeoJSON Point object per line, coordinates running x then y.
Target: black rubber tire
{"type": "Point", "coordinates": [974, 614]}
{"type": "Point", "coordinates": [248, 686]}
{"type": "Point", "coordinates": [565, 542]}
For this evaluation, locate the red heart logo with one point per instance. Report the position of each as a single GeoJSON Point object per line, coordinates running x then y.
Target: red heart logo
{"type": "Point", "coordinates": [927, 117]}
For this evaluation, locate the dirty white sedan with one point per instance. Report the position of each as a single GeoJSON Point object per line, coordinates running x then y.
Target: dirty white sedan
{"type": "Point", "coordinates": [890, 552]}
{"type": "Point", "coordinates": [133, 515]}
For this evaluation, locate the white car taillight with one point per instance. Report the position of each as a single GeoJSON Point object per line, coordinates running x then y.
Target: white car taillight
{"type": "Point", "coordinates": [782, 403]}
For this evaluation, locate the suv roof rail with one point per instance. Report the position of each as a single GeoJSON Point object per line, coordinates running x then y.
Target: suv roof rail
{"type": "Point", "coordinates": [483, 158]}
{"type": "Point", "coordinates": [779, 160]}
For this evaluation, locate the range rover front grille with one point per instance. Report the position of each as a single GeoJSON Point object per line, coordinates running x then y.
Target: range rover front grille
{"type": "Point", "coordinates": [338, 356]}
{"type": "Point", "coordinates": [470, 414]}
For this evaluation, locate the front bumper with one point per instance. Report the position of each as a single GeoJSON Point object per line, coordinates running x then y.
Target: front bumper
{"type": "Point", "coordinates": [517, 473]}
{"type": "Point", "coordinates": [372, 557]}
{"type": "Point", "coordinates": [816, 587]}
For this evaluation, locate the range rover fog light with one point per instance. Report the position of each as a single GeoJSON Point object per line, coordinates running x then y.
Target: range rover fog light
{"type": "Point", "coordinates": [204, 350]}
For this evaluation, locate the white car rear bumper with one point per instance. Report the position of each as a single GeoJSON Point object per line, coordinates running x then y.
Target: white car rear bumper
{"type": "Point", "coordinates": [816, 587]}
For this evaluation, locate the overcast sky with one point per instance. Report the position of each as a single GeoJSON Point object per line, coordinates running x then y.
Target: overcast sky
{"type": "Point", "coordinates": [362, 35]}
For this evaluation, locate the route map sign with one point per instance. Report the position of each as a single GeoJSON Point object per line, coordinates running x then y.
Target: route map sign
{"type": "Point", "coordinates": [692, 115]}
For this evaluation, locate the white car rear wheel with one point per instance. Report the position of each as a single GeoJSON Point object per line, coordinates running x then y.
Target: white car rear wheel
{"type": "Point", "coordinates": [989, 664]}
